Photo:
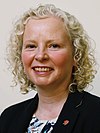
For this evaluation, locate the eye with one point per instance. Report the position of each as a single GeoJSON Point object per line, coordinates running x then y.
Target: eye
{"type": "Point", "coordinates": [54, 46]}
{"type": "Point", "coordinates": [31, 46]}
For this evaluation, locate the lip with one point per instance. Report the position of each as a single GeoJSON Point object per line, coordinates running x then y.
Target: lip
{"type": "Point", "coordinates": [42, 69]}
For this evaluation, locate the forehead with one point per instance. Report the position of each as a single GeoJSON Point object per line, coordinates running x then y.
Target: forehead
{"type": "Point", "coordinates": [46, 29]}
{"type": "Point", "coordinates": [48, 25]}
{"type": "Point", "coordinates": [50, 22]}
{"type": "Point", "coordinates": [51, 28]}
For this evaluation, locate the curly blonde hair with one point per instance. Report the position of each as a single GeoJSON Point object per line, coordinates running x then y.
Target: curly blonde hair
{"type": "Point", "coordinates": [83, 72]}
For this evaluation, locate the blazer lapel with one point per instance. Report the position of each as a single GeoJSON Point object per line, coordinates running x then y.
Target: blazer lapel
{"type": "Point", "coordinates": [69, 114]}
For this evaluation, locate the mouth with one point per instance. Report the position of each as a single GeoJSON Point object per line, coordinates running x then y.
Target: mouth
{"type": "Point", "coordinates": [42, 69]}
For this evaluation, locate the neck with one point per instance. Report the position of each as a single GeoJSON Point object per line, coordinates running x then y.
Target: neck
{"type": "Point", "coordinates": [53, 98]}
{"type": "Point", "coordinates": [51, 102]}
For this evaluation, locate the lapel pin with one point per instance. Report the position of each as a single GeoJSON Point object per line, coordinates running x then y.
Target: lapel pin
{"type": "Point", "coordinates": [65, 122]}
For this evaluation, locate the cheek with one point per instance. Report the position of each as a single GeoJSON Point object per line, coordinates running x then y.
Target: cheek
{"type": "Point", "coordinates": [63, 59]}
{"type": "Point", "coordinates": [26, 59]}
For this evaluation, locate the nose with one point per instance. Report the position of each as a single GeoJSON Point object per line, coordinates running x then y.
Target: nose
{"type": "Point", "coordinates": [41, 55]}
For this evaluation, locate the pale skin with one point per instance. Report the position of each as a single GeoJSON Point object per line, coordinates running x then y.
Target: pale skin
{"type": "Point", "coordinates": [47, 56]}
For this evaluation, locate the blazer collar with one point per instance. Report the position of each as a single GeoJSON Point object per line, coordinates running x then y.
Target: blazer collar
{"type": "Point", "coordinates": [69, 113]}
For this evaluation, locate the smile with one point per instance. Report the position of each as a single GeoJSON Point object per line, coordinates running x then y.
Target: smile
{"type": "Point", "coordinates": [42, 69]}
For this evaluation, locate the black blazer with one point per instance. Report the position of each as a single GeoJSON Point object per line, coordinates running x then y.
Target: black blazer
{"type": "Point", "coordinates": [81, 110]}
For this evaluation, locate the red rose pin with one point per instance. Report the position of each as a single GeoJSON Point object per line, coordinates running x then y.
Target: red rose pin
{"type": "Point", "coordinates": [65, 122]}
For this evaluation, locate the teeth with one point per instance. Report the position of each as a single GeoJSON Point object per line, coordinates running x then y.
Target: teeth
{"type": "Point", "coordinates": [42, 69]}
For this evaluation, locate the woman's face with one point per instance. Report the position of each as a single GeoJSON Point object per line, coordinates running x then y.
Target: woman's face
{"type": "Point", "coordinates": [47, 53]}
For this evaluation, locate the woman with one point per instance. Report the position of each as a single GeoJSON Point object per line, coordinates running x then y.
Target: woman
{"type": "Point", "coordinates": [50, 52]}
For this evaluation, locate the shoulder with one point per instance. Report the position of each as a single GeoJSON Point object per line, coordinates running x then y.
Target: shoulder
{"type": "Point", "coordinates": [85, 99]}
{"type": "Point", "coordinates": [91, 99]}
{"type": "Point", "coordinates": [86, 102]}
{"type": "Point", "coordinates": [18, 108]}
{"type": "Point", "coordinates": [90, 112]}
{"type": "Point", "coordinates": [18, 114]}
{"type": "Point", "coordinates": [90, 108]}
